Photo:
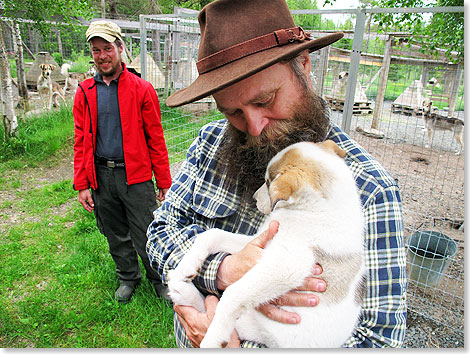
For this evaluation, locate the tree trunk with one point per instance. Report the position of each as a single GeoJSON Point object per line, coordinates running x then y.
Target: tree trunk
{"type": "Point", "coordinates": [59, 43]}
{"type": "Point", "coordinates": [113, 13]}
{"type": "Point", "coordinates": [9, 117]}
{"type": "Point", "coordinates": [103, 9]}
{"type": "Point", "coordinates": [20, 72]}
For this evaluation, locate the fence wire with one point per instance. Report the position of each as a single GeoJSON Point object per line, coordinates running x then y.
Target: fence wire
{"type": "Point", "coordinates": [379, 87]}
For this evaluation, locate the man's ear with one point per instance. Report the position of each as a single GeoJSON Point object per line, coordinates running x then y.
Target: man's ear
{"type": "Point", "coordinates": [306, 62]}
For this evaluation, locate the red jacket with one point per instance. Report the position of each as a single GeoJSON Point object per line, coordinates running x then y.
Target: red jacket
{"type": "Point", "coordinates": [142, 133]}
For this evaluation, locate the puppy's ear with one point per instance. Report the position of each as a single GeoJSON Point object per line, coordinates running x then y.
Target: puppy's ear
{"type": "Point", "coordinates": [41, 66]}
{"type": "Point", "coordinates": [52, 67]}
{"type": "Point", "coordinates": [331, 146]}
{"type": "Point", "coordinates": [283, 186]}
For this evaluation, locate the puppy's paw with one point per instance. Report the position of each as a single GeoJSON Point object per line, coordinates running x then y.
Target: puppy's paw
{"type": "Point", "coordinates": [211, 342]}
{"type": "Point", "coordinates": [190, 265]}
{"type": "Point", "coordinates": [185, 293]}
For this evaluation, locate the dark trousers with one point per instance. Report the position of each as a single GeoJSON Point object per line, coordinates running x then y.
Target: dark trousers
{"type": "Point", "coordinates": [123, 213]}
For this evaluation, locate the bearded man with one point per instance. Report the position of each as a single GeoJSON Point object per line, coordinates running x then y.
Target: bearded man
{"type": "Point", "coordinates": [259, 78]}
{"type": "Point", "coordinates": [119, 146]}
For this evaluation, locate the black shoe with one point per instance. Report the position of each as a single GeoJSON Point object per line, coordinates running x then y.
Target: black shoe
{"type": "Point", "coordinates": [162, 291]}
{"type": "Point", "coordinates": [124, 293]}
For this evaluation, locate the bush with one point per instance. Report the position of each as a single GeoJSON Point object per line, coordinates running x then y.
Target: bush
{"type": "Point", "coordinates": [58, 58]}
{"type": "Point", "coordinates": [81, 63]}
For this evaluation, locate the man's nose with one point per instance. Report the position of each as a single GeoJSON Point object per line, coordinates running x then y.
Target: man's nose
{"type": "Point", "coordinates": [255, 121]}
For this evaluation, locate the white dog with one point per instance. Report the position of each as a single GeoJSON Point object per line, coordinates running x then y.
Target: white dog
{"type": "Point", "coordinates": [47, 88]}
{"type": "Point", "coordinates": [71, 79]}
{"type": "Point", "coordinates": [435, 121]}
{"type": "Point", "coordinates": [311, 192]}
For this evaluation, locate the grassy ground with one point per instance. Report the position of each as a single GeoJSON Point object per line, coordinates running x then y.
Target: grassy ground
{"type": "Point", "coordinates": [58, 279]}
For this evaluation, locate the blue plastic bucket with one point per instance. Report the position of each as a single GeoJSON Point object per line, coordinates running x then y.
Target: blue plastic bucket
{"type": "Point", "coordinates": [429, 256]}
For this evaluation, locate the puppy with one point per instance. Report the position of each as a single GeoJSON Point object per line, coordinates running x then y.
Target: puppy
{"type": "Point", "coordinates": [48, 89]}
{"type": "Point", "coordinates": [435, 121]}
{"type": "Point", "coordinates": [312, 193]}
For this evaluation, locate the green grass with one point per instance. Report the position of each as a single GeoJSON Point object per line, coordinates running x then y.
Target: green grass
{"type": "Point", "coordinates": [58, 282]}
{"type": "Point", "coordinates": [58, 278]}
{"type": "Point", "coordinates": [38, 138]}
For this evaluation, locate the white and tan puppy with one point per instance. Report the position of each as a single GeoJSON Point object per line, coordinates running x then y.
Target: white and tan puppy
{"type": "Point", "coordinates": [47, 88]}
{"type": "Point", "coordinates": [311, 192]}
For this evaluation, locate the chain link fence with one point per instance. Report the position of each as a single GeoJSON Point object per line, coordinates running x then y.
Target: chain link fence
{"type": "Point", "coordinates": [379, 86]}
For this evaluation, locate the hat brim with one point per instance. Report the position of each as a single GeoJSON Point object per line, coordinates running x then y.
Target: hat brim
{"type": "Point", "coordinates": [226, 75]}
{"type": "Point", "coordinates": [106, 37]}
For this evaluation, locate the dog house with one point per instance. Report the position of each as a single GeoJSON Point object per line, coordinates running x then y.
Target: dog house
{"type": "Point", "coordinates": [154, 74]}
{"type": "Point", "coordinates": [34, 72]}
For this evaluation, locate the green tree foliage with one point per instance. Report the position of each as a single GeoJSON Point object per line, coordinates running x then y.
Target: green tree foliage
{"type": "Point", "coordinates": [42, 12]}
{"type": "Point", "coordinates": [442, 30]}
{"type": "Point", "coordinates": [305, 21]}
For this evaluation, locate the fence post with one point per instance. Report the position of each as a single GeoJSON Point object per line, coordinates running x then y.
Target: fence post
{"type": "Point", "coordinates": [379, 100]}
{"type": "Point", "coordinates": [143, 48]}
{"type": "Point", "coordinates": [353, 69]}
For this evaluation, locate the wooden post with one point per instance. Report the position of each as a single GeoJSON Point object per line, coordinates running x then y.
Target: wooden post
{"type": "Point", "coordinates": [455, 89]}
{"type": "Point", "coordinates": [325, 54]}
{"type": "Point", "coordinates": [379, 101]}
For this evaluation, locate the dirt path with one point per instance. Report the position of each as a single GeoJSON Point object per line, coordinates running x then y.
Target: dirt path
{"type": "Point", "coordinates": [58, 168]}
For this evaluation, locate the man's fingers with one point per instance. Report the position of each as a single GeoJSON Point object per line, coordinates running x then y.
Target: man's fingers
{"type": "Point", "coordinates": [211, 302]}
{"type": "Point", "coordinates": [312, 284]}
{"type": "Point", "coordinates": [276, 314]}
{"type": "Point", "coordinates": [187, 315]}
{"type": "Point", "coordinates": [296, 299]}
{"type": "Point", "coordinates": [234, 340]}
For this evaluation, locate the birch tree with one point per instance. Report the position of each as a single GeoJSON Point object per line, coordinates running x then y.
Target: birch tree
{"type": "Point", "coordinates": [10, 121]}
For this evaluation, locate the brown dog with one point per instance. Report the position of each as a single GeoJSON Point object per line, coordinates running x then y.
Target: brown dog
{"type": "Point", "coordinates": [47, 88]}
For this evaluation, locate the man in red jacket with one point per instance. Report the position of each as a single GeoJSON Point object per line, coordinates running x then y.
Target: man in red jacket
{"type": "Point", "coordinates": [119, 142]}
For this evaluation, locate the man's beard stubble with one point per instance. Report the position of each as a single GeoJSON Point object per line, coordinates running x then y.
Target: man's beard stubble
{"type": "Point", "coordinates": [244, 158]}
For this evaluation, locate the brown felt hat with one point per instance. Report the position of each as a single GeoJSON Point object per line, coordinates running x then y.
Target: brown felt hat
{"type": "Point", "coordinates": [240, 38]}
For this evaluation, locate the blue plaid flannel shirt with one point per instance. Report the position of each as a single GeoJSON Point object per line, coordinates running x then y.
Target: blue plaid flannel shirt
{"type": "Point", "coordinates": [197, 202]}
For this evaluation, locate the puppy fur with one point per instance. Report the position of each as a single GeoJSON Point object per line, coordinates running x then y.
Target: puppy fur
{"type": "Point", "coordinates": [312, 193]}
{"type": "Point", "coordinates": [48, 89]}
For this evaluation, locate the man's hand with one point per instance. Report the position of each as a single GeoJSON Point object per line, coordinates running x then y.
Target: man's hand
{"type": "Point", "coordinates": [162, 194]}
{"type": "Point", "coordinates": [233, 267]}
{"type": "Point", "coordinates": [294, 298]}
{"type": "Point", "coordinates": [84, 197]}
{"type": "Point", "coordinates": [196, 323]}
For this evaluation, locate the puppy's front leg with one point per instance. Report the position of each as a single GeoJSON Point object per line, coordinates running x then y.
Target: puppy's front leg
{"type": "Point", "coordinates": [182, 290]}
{"type": "Point", "coordinates": [207, 243]}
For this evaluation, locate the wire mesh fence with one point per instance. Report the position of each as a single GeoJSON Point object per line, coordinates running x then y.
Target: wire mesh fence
{"type": "Point", "coordinates": [404, 107]}
{"type": "Point", "coordinates": [382, 99]}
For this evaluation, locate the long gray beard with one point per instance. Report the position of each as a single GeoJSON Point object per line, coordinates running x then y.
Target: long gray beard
{"type": "Point", "coordinates": [244, 158]}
